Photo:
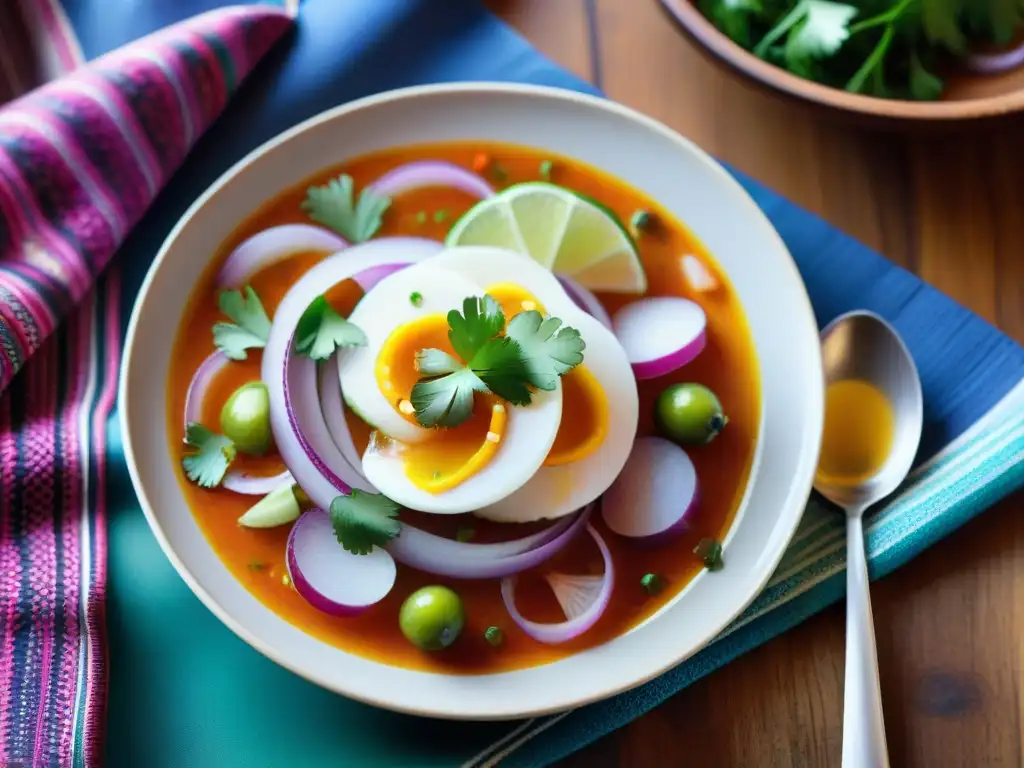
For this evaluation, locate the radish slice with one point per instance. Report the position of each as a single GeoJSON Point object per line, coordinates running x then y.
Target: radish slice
{"type": "Point", "coordinates": [655, 495]}
{"type": "Point", "coordinates": [271, 246]}
{"type": "Point", "coordinates": [586, 300]}
{"type": "Point", "coordinates": [583, 601]}
{"type": "Point", "coordinates": [464, 560]}
{"type": "Point", "coordinates": [660, 334]}
{"type": "Point", "coordinates": [698, 276]}
{"type": "Point", "coordinates": [431, 173]}
{"type": "Point", "coordinates": [330, 578]}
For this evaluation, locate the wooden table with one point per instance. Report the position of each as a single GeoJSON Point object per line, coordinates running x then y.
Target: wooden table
{"type": "Point", "coordinates": [950, 625]}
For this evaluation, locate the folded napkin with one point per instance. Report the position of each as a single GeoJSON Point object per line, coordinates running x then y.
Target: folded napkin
{"type": "Point", "coordinates": [186, 692]}
{"type": "Point", "coordinates": [81, 159]}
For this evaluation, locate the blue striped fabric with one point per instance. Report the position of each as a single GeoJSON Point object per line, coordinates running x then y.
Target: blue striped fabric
{"type": "Point", "coordinates": [346, 50]}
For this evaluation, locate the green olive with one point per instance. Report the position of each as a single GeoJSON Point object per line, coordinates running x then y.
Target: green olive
{"type": "Point", "coordinates": [432, 618]}
{"type": "Point", "coordinates": [689, 414]}
{"type": "Point", "coordinates": [245, 418]}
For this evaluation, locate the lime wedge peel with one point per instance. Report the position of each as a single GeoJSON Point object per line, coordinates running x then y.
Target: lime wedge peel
{"type": "Point", "coordinates": [560, 230]}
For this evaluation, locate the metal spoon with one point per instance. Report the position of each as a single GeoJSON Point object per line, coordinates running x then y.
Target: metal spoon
{"type": "Point", "coordinates": [861, 345]}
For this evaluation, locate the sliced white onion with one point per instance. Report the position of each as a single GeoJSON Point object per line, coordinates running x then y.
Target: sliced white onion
{"type": "Point", "coordinates": [332, 406]}
{"type": "Point", "coordinates": [271, 246]}
{"type": "Point", "coordinates": [660, 334]}
{"type": "Point", "coordinates": [431, 173]}
{"type": "Point", "coordinates": [330, 578]}
{"type": "Point", "coordinates": [586, 300]}
{"type": "Point", "coordinates": [464, 560]}
{"type": "Point", "coordinates": [586, 609]}
{"type": "Point", "coordinates": [698, 276]}
{"type": "Point", "coordinates": [995, 63]}
{"type": "Point", "coordinates": [300, 432]}
{"type": "Point", "coordinates": [201, 379]}
{"type": "Point", "coordinates": [655, 496]}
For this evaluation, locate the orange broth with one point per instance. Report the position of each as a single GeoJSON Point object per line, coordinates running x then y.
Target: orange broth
{"type": "Point", "coordinates": [256, 557]}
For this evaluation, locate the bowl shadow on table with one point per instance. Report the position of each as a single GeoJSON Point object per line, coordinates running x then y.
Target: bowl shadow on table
{"type": "Point", "coordinates": [971, 102]}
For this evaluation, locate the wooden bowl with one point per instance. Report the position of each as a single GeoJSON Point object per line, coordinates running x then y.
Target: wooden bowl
{"type": "Point", "coordinates": [968, 97]}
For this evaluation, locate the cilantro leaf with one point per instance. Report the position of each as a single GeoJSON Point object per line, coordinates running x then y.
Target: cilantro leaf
{"type": "Point", "coordinates": [446, 401]}
{"type": "Point", "coordinates": [251, 327]}
{"type": "Point", "coordinates": [214, 453]}
{"type": "Point", "coordinates": [364, 520]}
{"type": "Point", "coordinates": [732, 17]}
{"type": "Point", "coordinates": [481, 320]}
{"type": "Point", "coordinates": [321, 330]}
{"type": "Point", "coordinates": [924, 85]}
{"type": "Point", "coordinates": [548, 349]}
{"type": "Point", "coordinates": [436, 362]}
{"type": "Point", "coordinates": [823, 30]}
{"type": "Point", "coordinates": [334, 206]}
{"type": "Point", "coordinates": [500, 366]}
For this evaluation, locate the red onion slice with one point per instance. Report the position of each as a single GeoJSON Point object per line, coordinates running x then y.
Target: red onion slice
{"type": "Point", "coordinates": [464, 560]}
{"type": "Point", "coordinates": [583, 600]}
{"type": "Point", "coordinates": [660, 334]}
{"type": "Point", "coordinates": [201, 379]}
{"type": "Point", "coordinates": [298, 425]}
{"type": "Point", "coordinates": [234, 480]}
{"type": "Point", "coordinates": [995, 63]}
{"type": "Point", "coordinates": [655, 496]}
{"type": "Point", "coordinates": [271, 246]}
{"type": "Point", "coordinates": [586, 300]}
{"type": "Point", "coordinates": [418, 249]}
{"type": "Point", "coordinates": [332, 406]}
{"type": "Point", "coordinates": [330, 578]}
{"type": "Point", "coordinates": [431, 173]}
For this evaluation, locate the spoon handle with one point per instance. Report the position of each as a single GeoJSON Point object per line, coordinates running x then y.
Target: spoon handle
{"type": "Point", "coordinates": [863, 724]}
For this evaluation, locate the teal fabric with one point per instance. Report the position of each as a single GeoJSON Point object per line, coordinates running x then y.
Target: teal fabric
{"type": "Point", "coordinates": [186, 693]}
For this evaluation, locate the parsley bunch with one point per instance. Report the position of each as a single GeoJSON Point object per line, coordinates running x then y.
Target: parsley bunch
{"type": "Point", "coordinates": [533, 353]}
{"type": "Point", "coordinates": [885, 48]}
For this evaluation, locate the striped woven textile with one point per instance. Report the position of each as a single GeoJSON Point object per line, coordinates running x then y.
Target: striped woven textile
{"type": "Point", "coordinates": [81, 159]}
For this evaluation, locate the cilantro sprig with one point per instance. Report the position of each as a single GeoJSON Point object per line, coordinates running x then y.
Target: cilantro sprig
{"type": "Point", "coordinates": [321, 330]}
{"type": "Point", "coordinates": [534, 352]}
{"type": "Point", "coordinates": [335, 206]}
{"type": "Point", "coordinates": [885, 48]}
{"type": "Point", "coordinates": [251, 326]}
{"type": "Point", "coordinates": [207, 465]}
{"type": "Point", "coordinates": [364, 520]}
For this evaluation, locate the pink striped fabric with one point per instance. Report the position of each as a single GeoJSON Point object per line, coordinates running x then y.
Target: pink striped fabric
{"type": "Point", "coordinates": [81, 159]}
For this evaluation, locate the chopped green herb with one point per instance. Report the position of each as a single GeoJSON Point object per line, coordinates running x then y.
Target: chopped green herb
{"type": "Point", "coordinates": [321, 330]}
{"type": "Point", "coordinates": [710, 551]}
{"type": "Point", "coordinates": [437, 474]}
{"type": "Point", "coordinates": [214, 453]}
{"type": "Point", "coordinates": [286, 580]}
{"type": "Point", "coordinates": [465, 533]}
{"type": "Point", "coordinates": [421, 217]}
{"type": "Point", "coordinates": [440, 215]}
{"type": "Point", "coordinates": [334, 206]}
{"type": "Point", "coordinates": [641, 221]}
{"type": "Point", "coordinates": [257, 566]}
{"type": "Point", "coordinates": [498, 172]}
{"type": "Point", "coordinates": [548, 349]}
{"type": "Point", "coordinates": [251, 326]}
{"type": "Point", "coordinates": [416, 298]}
{"type": "Point", "coordinates": [494, 636]}
{"type": "Point", "coordinates": [652, 583]}
{"type": "Point", "coordinates": [546, 167]}
{"type": "Point", "coordinates": [364, 520]}
{"type": "Point", "coordinates": [534, 353]}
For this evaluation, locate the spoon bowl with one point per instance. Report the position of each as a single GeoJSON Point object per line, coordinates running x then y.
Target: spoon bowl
{"type": "Point", "coordinates": [861, 345]}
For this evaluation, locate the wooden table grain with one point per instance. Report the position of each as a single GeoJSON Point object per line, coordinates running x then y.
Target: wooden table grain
{"type": "Point", "coordinates": [950, 624]}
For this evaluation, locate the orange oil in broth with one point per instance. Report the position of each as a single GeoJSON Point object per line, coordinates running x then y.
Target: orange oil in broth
{"type": "Point", "coordinates": [256, 557]}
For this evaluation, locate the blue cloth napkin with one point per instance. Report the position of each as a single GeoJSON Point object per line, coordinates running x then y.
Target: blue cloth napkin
{"type": "Point", "coordinates": [253, 713]}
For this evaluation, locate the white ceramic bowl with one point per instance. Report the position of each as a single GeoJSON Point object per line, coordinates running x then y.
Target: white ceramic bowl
{"type": "Point", "coordinates": [632, 147]}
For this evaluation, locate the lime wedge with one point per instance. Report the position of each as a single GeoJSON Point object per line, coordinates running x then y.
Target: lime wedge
{"type": "Point", "coordinates": [560, 230]}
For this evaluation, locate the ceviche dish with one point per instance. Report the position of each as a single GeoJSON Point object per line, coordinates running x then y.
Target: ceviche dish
{"type": "Point", "coordinates": [464, 407]}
